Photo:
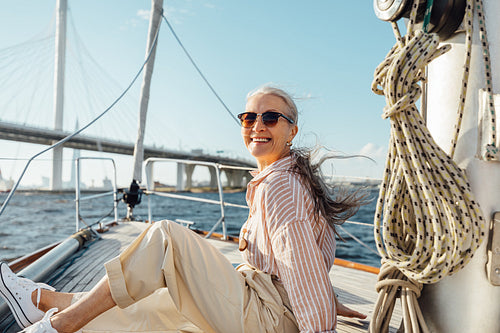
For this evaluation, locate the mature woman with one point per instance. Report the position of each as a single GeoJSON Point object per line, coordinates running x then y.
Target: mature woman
{"type": "Point", "coordinates": [170, 279]}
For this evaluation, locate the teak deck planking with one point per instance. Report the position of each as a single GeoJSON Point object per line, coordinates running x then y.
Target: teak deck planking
{"type": "Point", "coordinates": [83, 270]}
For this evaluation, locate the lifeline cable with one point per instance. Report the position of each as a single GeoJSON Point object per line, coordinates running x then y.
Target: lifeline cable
{"type": "Point", "coordinates": [427, 224]}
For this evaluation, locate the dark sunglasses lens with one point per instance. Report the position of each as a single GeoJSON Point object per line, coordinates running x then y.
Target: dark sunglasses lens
{"type": "Point", "coordinates": [270, 118]}
{"type": "Point", "coordinates": [248, 119]}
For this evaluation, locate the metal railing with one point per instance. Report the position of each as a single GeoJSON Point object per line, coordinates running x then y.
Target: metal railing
{"type": "Point", "coordinates": [79, 198]}
{"type": "Point", "coordinates": [149, 164]}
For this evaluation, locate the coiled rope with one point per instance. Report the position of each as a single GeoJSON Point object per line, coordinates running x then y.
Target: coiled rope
{"type": "Point", "coordinates": [427, 224]}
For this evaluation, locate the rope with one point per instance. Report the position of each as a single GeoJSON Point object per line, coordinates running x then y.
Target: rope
{"type": "Point", "coordinates": [490, 150]}
{"type": "Point", "coordinates": [427, 224]}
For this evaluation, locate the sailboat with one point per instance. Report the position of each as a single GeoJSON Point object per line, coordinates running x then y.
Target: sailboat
{"type": "Point", "coordinates": [466, 301]}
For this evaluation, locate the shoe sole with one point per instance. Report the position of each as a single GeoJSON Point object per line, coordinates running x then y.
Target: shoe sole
{"type": "Point", "coordinates": [16, 309]}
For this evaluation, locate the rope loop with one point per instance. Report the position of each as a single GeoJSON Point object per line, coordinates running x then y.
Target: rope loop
{"type": "Point", "coordinates": [392, 284]}
{"type": "Point", "coordinates": [403, 104]}
{"type": "Point", "coordinates": [398, 76]}
{"type": "Point", "coordinates": [389, 277]}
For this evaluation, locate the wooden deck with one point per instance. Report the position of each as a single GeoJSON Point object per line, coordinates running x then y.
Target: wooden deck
{"type": "Point", "coordinates": [354, 288]}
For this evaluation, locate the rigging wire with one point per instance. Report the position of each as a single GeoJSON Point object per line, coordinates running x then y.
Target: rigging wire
{"type": "Point", "coordinates": [14, 67]}
{"type": "Point", "coordinates": [69, 137]}
{"type": "Point", "coordinates": [87, 73]}
{"type": "Point", "coordinates": [16, 98]}
{"type": "Point", "coordinates": [198, 70]}
{"type": "Point", "coordinates": [359, 241]}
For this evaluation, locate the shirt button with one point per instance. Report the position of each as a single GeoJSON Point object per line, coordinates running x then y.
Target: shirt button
{"type": "Point", "coordinates": [243, 244]}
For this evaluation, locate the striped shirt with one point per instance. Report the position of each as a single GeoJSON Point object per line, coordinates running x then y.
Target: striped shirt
{"type": "Point", "coordinates": [284, 238]}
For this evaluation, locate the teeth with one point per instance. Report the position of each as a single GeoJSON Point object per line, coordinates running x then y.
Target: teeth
{"type": "Point", "coordinates": [260, 139]}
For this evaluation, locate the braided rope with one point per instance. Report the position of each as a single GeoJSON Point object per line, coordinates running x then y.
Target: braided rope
{"type": "Point", "coordinates": [431, 223]}
{"type": "Point", "coordinates": [490, 150]}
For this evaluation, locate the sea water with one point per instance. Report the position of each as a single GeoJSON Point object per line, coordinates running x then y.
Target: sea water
{"type": "Point", "coordinates": [35, 219]}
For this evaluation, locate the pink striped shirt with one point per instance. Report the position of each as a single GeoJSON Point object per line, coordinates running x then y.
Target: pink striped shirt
{"type": "Point", "coordinates": [285, 239]}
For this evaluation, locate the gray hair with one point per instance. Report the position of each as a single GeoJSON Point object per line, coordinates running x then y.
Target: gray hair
{"type": "Point", "coordinates": [335, 204]}
{"type": "Point", "coordinates": [271, 90]}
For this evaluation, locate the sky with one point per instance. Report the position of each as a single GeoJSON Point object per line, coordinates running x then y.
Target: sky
{"type": "Point", "coordinates": [323, 52]}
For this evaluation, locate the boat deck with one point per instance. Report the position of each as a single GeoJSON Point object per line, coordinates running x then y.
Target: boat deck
{"type": "Point", "coordinates": [354, 288]}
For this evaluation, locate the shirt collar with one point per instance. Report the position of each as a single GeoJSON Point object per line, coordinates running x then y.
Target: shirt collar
{"type": "Point", "coordinates": [283, 164]}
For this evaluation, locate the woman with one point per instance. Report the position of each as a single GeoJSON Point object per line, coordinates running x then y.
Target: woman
{"type": "Point", "coordinates": [171, 279]}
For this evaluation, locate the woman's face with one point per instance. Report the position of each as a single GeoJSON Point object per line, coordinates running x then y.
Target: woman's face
{"type": "Point", "coordinates": [268, 144]}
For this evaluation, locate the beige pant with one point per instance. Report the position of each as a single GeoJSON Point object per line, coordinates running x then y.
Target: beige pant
{"type": "Point", "coordinates": [171, 280]}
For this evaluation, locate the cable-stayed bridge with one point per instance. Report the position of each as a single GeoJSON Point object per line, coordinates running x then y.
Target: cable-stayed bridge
{"type": "Point", "coordinates": [22, 133]}
{"type": "Point", "coordinates": [33, 96]}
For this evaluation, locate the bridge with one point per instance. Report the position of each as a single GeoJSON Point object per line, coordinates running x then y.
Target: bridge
{"type": "Point", "coordinates": [22, 133]}
{"type": "Point", "coordinates": [29, 78]}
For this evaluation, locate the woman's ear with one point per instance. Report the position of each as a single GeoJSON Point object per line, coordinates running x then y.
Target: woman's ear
{"type": "Point", "coordinates": [295, 129]}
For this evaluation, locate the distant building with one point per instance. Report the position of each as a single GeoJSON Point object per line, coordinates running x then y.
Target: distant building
{"type": "Point", "coordinates": [5, 185]}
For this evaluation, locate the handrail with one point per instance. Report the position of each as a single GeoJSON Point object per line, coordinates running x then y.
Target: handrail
{"type": "Point", "coordinates": [191, 198]}
{"type": "Point", "coordinates": [149, 191]}
{"type": "Point", "coordinates": [79, 198]}
{"type": "Point", "coordinates": [149, 163]}
{"type": "Point", "coordinates": [94, 196]}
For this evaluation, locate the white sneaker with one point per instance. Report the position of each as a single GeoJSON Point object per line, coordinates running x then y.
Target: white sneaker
{"type": "Point", "coordinates": [44, 325]}
{"type": "Point", "coordinates": [16, 292]}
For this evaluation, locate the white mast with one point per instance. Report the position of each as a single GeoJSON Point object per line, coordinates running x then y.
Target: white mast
{"type": "Point", "coordinates": [154, 26]}
{"type": "Point", "coordinates": [60, 59]}
{"type": "Point", "coordinates": [466, 301]}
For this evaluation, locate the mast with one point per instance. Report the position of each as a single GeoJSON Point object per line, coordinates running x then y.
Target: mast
{"type": "Point", "coordinates": [59, 68]}
{"type": "Point", "coordinates": [132, 197]}
{"type": "Point", "coordinates": [467, 301]}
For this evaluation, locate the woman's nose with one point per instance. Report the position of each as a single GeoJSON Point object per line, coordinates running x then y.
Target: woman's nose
{"type": "Point", "coordinates": [259, 124]}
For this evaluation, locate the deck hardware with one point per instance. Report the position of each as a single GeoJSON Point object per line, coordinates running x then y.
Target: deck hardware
{"type": "Point", "coordinates": [493, 265]}
{"type": "Point", "coordinates": [185, 223]}
{"type": "Point", "coordinates": [445, 19]}
{"type": "Point", "coordinates": [132, 197]}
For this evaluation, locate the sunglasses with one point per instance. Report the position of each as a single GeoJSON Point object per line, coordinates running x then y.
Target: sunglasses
{"type": "Point", "coordinates": [269, 118]}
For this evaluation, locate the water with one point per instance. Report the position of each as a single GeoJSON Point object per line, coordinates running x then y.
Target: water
{"type": "Point", "coordinates": [33, 220]}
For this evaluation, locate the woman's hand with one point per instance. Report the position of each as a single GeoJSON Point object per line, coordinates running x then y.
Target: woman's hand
{"type": "Point", "coordinates": [344, 311]}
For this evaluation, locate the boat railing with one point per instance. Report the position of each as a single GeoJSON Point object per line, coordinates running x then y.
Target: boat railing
{"type": "Point", "coordinates": [78, 195]}
{"type": "Point", "coordinates": [150, 188]}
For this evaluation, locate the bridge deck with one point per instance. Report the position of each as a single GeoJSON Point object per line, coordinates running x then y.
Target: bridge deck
{"type": "Point", "coordinates": [23, 133]}
{"type": "Point", "coordinates": [354, 288]}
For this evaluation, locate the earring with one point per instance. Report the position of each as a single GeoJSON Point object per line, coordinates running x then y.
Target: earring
{"type": "Point", "coordinates": [289, 144]}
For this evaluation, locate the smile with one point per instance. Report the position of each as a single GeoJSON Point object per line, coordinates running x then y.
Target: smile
{"type": "Point", "coordinates": [261, 139]}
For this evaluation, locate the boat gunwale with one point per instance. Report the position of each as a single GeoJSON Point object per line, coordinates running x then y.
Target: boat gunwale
{"type": "Point", "coordinates": [18, 264]}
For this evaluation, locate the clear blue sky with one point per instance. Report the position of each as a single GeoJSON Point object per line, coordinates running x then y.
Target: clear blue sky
{"type": "Point", "coordinates": [324, 52]}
